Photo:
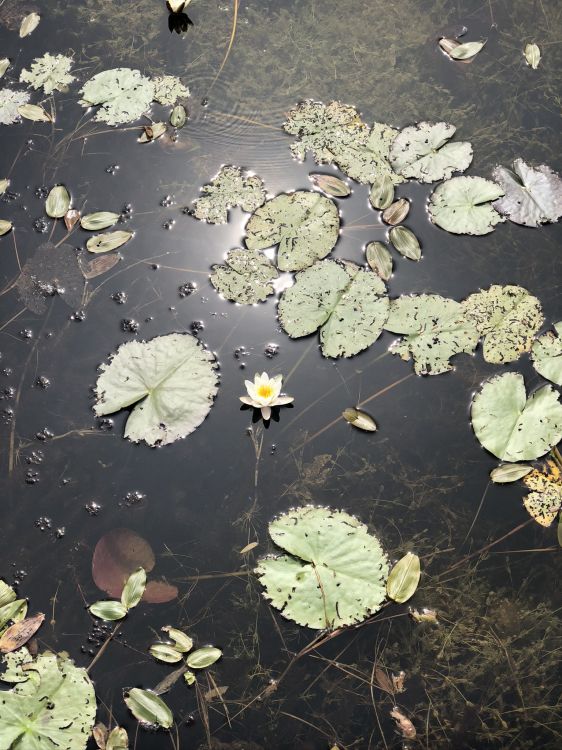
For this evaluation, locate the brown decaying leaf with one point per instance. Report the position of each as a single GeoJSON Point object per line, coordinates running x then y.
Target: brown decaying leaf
{"type": "Point", "coordinates": [97, 266]}
{"type": "Point", "coordinates": [398, 681]}
{"type": "Point", "coordinates": [99, 733]}
{"type": "Point", "coordinates": [396, 212]}
{"type": "Point", "coordinates": [383, 681]}
{"type": "Point", "coordinates": [71, 217]}
{"type": "Point", "coordinates": [18, 634]}
{"type": "Point", "coordinates": [216, 692]}
{"type": "Point", "coordinates": [403, 723]}
{"type": "Point", "coordinates": [248, 548]}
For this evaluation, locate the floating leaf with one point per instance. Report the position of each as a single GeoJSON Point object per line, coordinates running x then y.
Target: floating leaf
{"type": "Point", "coordinates": [52, 705]}
{"type": "Point", "coordinates": [35, 113]}
{"type": "Point", "coordinates": [117, 739]}
{"type": "Point", "coordinates": [5, 226]}
{"type": "Point", "coordinates": [403, 579]}
{"type": "Point", "coordinates": [18, 634]}
{"type": "Point", "coordinates": [203, 657]}
{"type": "Point", "coordinates": [160, 592]}
{"type": "Point", "coordinates": [71, 218]}
{"type": "Point", "coordinates": [116, 556]}
{"type": "Point", "coordinates": [50, 72]}
{"type": "Point", "coordinates": [4, 185]}
{"type": "Point", "coordinates": [93, 268]}
{"type": "Point", "coordinates": [182, 642]}
{"type": "Point", "coordinates": [51, 272]}
{"type": "Point", "coordinates": [506, 473]}
{"type": "Point", "coordinates": [103, 243]}
{"type": "Point", "coordinates": [190, 678]}
{"type": "Point", "coordinates": [123, 94]}
{"type": "Point", "coordinates": [365, 157]}
{"type": "Point", "coordinates": [512, 426]}
{"type": "Point", "coordinates": [331, 185]}
{"type": "Point", "coordinates": [396, 212]}
{"type": "Point", "coordinates": [13, 611]}
{"type": "Point", "coordinates": [447, 45]}
{"type": "Point", "coordinates": [545, 501]}
{"type": "Point", "coordinates": [58, 202]}
{"type": "Point", "coordinates": [467, 50]}
{"type": "Point", "coordinates": [164, 652]}
{"type": "Point", "coordinates": [379, 259]}
{"type": "Point", "coordinates": [245, 278]}
{"type": "Point", "coordinates": [406, 242]}
{"type": "Point", "coordinates": [148, 708]}
{"type": "Point", "coordinates": [10, 103]}
{"type": "Point", "coordinates": [152, 132]}
{"type": "Point", "coordinates": [230, 187]}
{"type": "Point", "coordinates": [508, 317]}
{"type": "Point", "coordinates": [381, 194]}
{"type": "Point", "coordinates": [168, 89]}
{"type": "Point", "coordinates": [546, 353]}
{"type": "Point", "coordinates": [533, 196]}
{"type": "Point", "coordinates": [422, 152]}
{"type": "Point", "coordinates": [100, 220]}
{"type": "Point", "coordinates": [108, 610]}
{"type": "Point", "coordinates": [334, 573]}
{"type": "Point", "coordinates": [359, 419]}
{"type": "Point", "coordinates": [29, 24]}
{"type": "Point", "coordinates": [304, 224]}
{"type": "Point", "coordinates": [463, 205]}
{"type": "Point", "coordinates": [532, 55]}
{"type": "Point", "coordinates": [4, 65]}
{"type": "Point", "coordinates": [348, 304]}
{"type": "Point", "coordinates": [134, 589]}
{"type": "Point", "coordinates": [248, 548]}
{"type": "Point", "coordinates": [178, 117]}
{"type": "Point", "coordinates": [172, 381]}
{"type": "Point", "coordinates": [7, 594]}
{"type": "Point", "coordinates": [434, 330]}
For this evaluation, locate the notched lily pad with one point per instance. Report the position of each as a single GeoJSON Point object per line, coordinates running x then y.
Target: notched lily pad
{"type": "Point", "coordinates": [422, 152]}
{"type": "Point", "coordinates": [168, 89]}
{"type": "Point", "coordinates": [10, 102]}
{"type": "Point", "coordinates": [51, 272]}
{"type": "Point", "coordinates": [245, 278]}
{"type": "Point", "coordinates": [122, 94]}
{"type": "Point", "coordinates": [230, 187]}
{"type": "Point", "coordinates": [463, 205]}
{"type": "Point", "coordinates": [533, 195]}
{"type": "Point", "coordinates": [49, 72]}
{"type": "Point", "coordinates": [546, 353]}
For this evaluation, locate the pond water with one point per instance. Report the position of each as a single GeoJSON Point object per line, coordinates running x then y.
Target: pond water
{"type": "Point", "coordinates": [488, 674]}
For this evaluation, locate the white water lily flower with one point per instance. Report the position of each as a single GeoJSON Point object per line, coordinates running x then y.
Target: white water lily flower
{"type": "Point", "coordinates": [264, 393]}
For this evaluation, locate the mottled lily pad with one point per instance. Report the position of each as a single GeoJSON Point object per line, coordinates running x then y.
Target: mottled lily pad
{"type": "Point", "coordinates": [10, 102]}
{"type": "Point", "coordinates": [49, 72]}
{"type": "Point", "coordinates": [51, 272]}
{"type": "Point", "coordinates": [547, 354]}
{"type": "Point", "coordinates": [422, 152]}
{"type": "Point", "coordinates": [533, 195]}
{"type": "Point", "coordinates": [463, 205]}
{"type": "Point", "coordinates": [168, 89]}
{"type": "Point", "coordinates": [231, 187]}
{"type": "Point", "coordinates": [245, 278]}
{"type": "Point", "coordinates": [123, 95]}
{"type": "Point", "coordinates": [545, 500]}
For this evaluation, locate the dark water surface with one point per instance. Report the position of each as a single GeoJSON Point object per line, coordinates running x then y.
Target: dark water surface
{"type": "Point", "coordinates": [488, 675]}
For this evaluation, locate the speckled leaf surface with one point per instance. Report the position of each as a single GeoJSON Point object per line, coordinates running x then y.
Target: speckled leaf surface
{"type": "Point", "coordinates": [245, 277]}
{"type": "Point", "coordinates": [304, 224]}
{"type": "Point", "coordinates": [545, 500]}
{"type": "Point", "coordinates": [365, 156]}
{"type": "Point", "coordinates": [546, 353]}
{"type": "Point", "coordinates": [533, 196]}
{"type": "Point", "coordinates": [463, 205]}
{"type": "Point", "coordinates": [10, 101]}
{"type": "Point", "coordinates": [51, 272]}
{"type": "Point", "coordinates": [123, 95]}
{"type": "Point", "coordinates": [434, 329]}
{"type": "Point", "coordinates": [172, 381]}
{"type": "Point", "coordinates": [422, 152]}
{"type": "Point", "coordinates": [512, 426]}
{"type": "Point", "coordinates": [231, 187]}
{"type": "Point", "coordinates": [508, 317]}
{"type": "Point", "coordinates": [168, 89]}
{"type": "Point", "coordinates": [334, 572]}
{"type": "Point", "coordinates": [49, 72]}
{"type": "Point", "coordinates": [348, 304]}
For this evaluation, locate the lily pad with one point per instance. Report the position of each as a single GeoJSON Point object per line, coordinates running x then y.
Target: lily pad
{"type": "Point", "coordinates": [334, 572]}
{"type": "Point", "coordinates": [365, 157]}
{"type": "Point", "coordinates": [10, 102]}
{"type": "Point", "coordinates": [463, 205]}
{"type": "Point", "coordinates": [245, 278]}
{"type": "Point", "coordinates": [123, 95]}
{"type": "Point", "coordinates": [304, 224]}
{"type": "Point", "coordinates": [49, 72]}
{"type": "Point", "coordinates": [533, 195]}
{"type": "Point", "coordinates": [511, 425]}
{"type": "Point", "coordinates": [546, 353]}
{"type": "Point", "coordinates": [348, 304]}
{"type": "Point", "coordinates": [231, 187]}
{"type": "Point", "coordinates": [172, 381]}
{"type": "Point", "coordinates": [52, 705]}
{"type": "Point", "coordinates": [168, 89]}
{"type": "Point", "coordinates": [422, 152]}
{"type": "Point", "coordinates": [51, 272]}
{"type": "Point", "coordinates": [434, 329]}
{"type": "Point", "coordinates": [545, 501]}
{"type": "Point", "coordinates": [508, 317]}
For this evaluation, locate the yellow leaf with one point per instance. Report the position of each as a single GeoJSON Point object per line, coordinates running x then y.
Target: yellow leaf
{"type": "Point", "coordinates": [544, 502]}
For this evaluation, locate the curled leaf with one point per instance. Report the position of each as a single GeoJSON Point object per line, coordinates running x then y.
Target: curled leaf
{"type": "Point", "coordinates": [71, 218]}
{"type": "Point", "coordinates": [359, 419]}
{"type": "Point", "coordinates": [189, 678]}
{"type": "Point", "coordinates": [331, 185]}
{"type": "Point", "coordinates": [467, 50]}
{"type": "Point", "coordinates": [403, 723]}
{"type": "Point", "coordinates": [148, 708]}
{"type": "Point", "coordinates": [506, 473]}
{"type": "Point", "coordinates": [182, 642]}
{"type": "Point", "coordinates": [152, 132]}
{"type": "Point", "coordinates": [4, 185]}
{"type": "Point", "coordinates": [203, 657]}
{"type": "Point", "coordinates": [248, 548]}
{"type": "Point", "coordinates": [103, 243]}
{"type": "Point", "coordinates": [404, 577]}
{"type": "Point", "coordinates": [533, 195]}
{"type": "Point", "coordinates": [58, 202]}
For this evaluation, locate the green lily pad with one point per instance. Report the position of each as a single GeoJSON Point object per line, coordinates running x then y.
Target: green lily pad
{"type": "Point", "coordinates": [434, 329]}
{"type": "Point", "coordinates": [172, 381]}
{"type": "Point", "coordinates": [245, 278]}
{"type": "Point", "coordinates": [508, 317]}
{"type": "Point", "coordinates": [49, 72]}
{"type": "Point", "coordinates": [463, 205]}
{"type": "Point", "coordinates": [231, 187]}
{"type": "Point", "coordinates": [422, 152]}
{"type": "Point", "coordinates": [365, 157]}
{"type": "Point", "coordinates": [533, 196]}
{"type": "Point", "coordinates": [123, 95]}
{"type": "Point", "coordinates": [334, 572]}
{"type": "Point", "coordinates": [10, 102]}
{"type": "Point", "coordinates": [546, 353]}
{"type": "Point", "coordinates": [511, 425]}
{"type": "Point", "coordinates": [348, 304]}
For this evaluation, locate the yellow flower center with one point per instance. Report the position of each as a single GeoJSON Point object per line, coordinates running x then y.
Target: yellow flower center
{"type": "Point", "coordinates": [264, 391]}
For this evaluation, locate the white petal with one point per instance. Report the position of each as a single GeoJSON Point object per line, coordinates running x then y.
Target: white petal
{"type": "Point", "coordinates": [251, 388]}
{"type": "Point", "coordinates": [283, 400]}
{"type": "Point", "coordinates": [266, 412]}
{"type": "Point", "coordinates": [247, 400]}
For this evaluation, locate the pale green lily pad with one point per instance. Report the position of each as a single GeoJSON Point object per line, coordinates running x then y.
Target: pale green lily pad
{"type": "Point", "coordinates": [434, 329]}
{"type": "Point", "coordinates": [245, 278]}
{"type": "Point", "coordinates": [10, 101]}
{"type": "Point", "coordinates": [348, 304]}
{"type": "Point", "coordinates": [231, 187]}
{"type": "Point", "coordinates": [334, 573]}
{"type": "Point", "coordinates": [49, 72]}
{"type": "Point", "coordinates": [512, 426]}
{"type": "Point", "coordinates": [422, 152]}
{"type": "Point", "coordinates": [172, 381]}
{"type": "Point", "coordinates": [304, 224]}
{"type": "Point", "coordinates": [123, 95]}
{"type": "Point", "coordinates": [508, 317]}
{"type": "Point", "coordinates": [168, 89]}
{"type": "Point", "coordinates": [546, 353]}
{"type": "Point", "coordinates": [148, 708]}
{"type": "Point", "coordinates": [365, 157]}
{"type": "Point", "coordinates": [52, 705]}
{"type": "Point", "coordinates": [533, 195]}
{"type": "Point", "coordinates": [463, 205]}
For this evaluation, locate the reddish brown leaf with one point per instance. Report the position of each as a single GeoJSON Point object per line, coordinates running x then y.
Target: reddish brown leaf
{"type": "Point", "coordinates": [100, 265]}
{"type": "Point", "coordinates": [71, 217]}
{"type": "Point", "coordinates": [159, 592]}
{"type": "Point", "coordinates": [118, 554]}
{"type": "Point", "coordinates": [18, 634]}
